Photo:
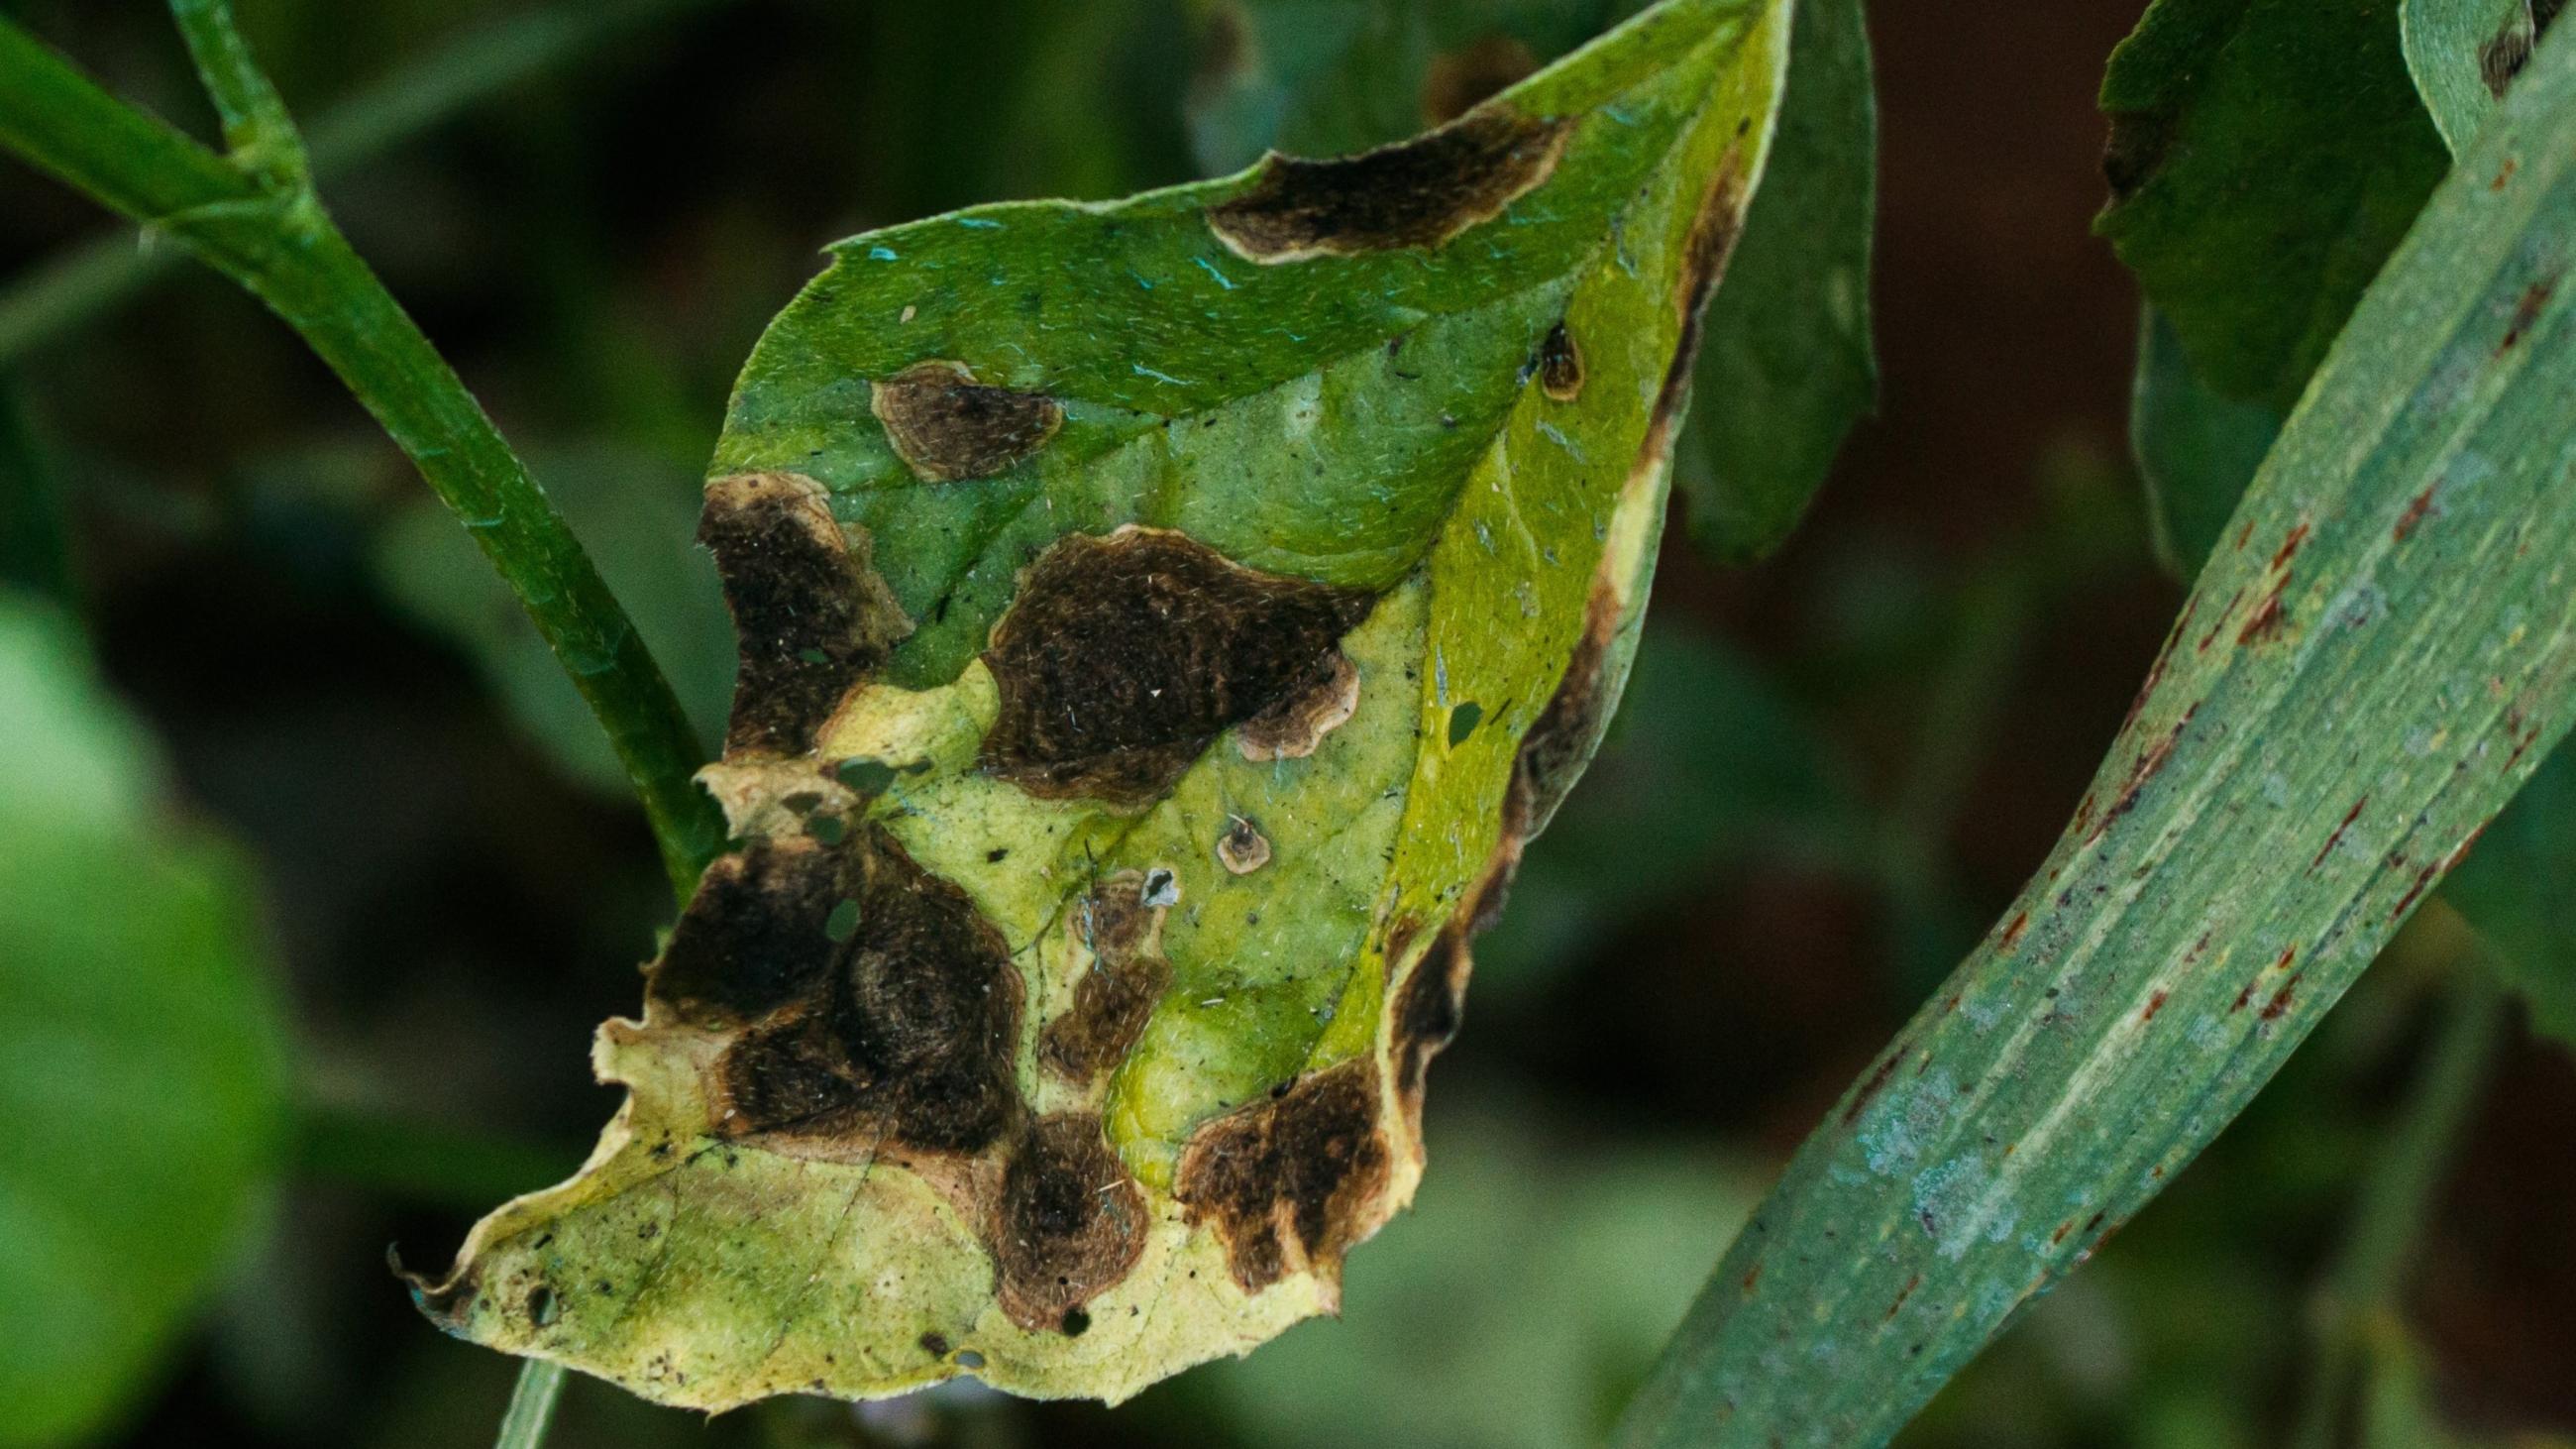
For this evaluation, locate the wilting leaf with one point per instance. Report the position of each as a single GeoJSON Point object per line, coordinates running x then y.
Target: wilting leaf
{"type": "Point", "coordinates": [2265, 156]}
{"type": "Point", "coordinates": [2195, 449]}
{"type": "Point", "coordinates": [1788, 367]}
{"type": "Point", "coordinates": [141, 1063]}
{"type": "Point", "coordinates": [2464, 55]}
{"type": "Point", "coordinates": [2377, 656]}
{"type": "Point", "coordinates": [1162, 625]}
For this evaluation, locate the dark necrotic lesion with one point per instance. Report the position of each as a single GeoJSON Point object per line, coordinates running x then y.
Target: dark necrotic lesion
{"type": "Point", "coordinates": [1416, 193]}
{"type": "Point", "coordinates": [1067, 1225]}
{"type": "Point", "coordinates": [946, 426]}
{"type": "Point", "coordinates": [1316, 1150]}
{"type": "Point", "coordinates": [1124, 657]}
{"type": "Point", "coordinates": [812, 621]}
{"type": "Point", "coordinates": [1117, 994]}
{"type": "Point", "coordinates": [902, 1036]}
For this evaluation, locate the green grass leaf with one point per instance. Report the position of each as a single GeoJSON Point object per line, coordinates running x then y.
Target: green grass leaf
{"type": "Point", "coordinates": [2375, 659]}
{"type": "Point", "coordinates": [1162, 625]}
{"type": "Point", "coordinates": [2265, 156]}
{"type": "Point", "coordinates": [142, 1063]}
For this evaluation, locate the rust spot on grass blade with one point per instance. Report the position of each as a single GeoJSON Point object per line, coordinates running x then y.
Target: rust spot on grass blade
{"type": "Point", "coordinates": [2337, 838]}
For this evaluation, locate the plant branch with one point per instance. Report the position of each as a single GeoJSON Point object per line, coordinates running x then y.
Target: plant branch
{"type": "Point", "coordinates": [2397, 1197]}
{"type": "Point", "coordinates": [532, 1405]}
{"type": "Point", "coordinates": [278, 242]}
{"type": "Point", "coordinates": [60, 295]}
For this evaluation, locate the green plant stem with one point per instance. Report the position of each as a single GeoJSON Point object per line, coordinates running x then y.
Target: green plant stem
{"type": "Point", "coordinates": [532, 1405]}
{"type": "Point", "coordinates": [2397, 1197]}
{"type": "Point", "coordinates": [58, 297]}
{"type": "Point", "coordinates": [280, 244]}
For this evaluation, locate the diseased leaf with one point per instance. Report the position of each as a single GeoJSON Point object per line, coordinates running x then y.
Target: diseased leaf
{"type": "Point", "coordinates": [1162, 625]}
{"type": "Point", "coordinates": [2464, 55]}
{"type": "Point", "coordinates": [1788, 366]}
{"type": "Point", "coordinates": [2265, 156]}
{"type": "Point", "coordinates": [2374, 660]}
{"type": "Point", "coordinates": [2195, 449]}
{"type": "Point", "coordinates": [141, 1055]}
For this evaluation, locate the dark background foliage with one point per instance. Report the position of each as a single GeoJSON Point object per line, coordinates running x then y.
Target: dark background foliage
{"type": "Point", "coordinates": [1835, 765]}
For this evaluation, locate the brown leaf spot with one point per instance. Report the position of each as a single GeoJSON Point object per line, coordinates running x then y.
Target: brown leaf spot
{"type": "Point", "coordinates": [2280, 1001]}
{"type": "Point", "coordinates": [2155, 1003]}
{"type": "Point", "coordinates": [1293, 1181]}
{"type": "Point", "coordinates": [2414, 515]}
{"type": "Point", "coordinates": [1460, 80]}
{"type": "Point", "coordinates": [2526, 311]}
{"type": "Point", "coordinates": [753, 938]}
{"type": "Point", "coordinates": [1429, 1009]}
{"type": "Point", "coordinates": [1560, 365]}
{"type": "Point", "coordinates": [1713, 233]}
{"type": "Point", "coordinates": [813, 618]}
{"type": "Point", "coordinates": [1560, 741]}
{"type": "Point", "coordinates": [1123, 657]}
{"type": "Point", "coordinates": [2013, 931]}
{"type": "Point", "coordinates": [1291, 728]}
{"type": "Point", "coordinates": [1877, 1082]}
{"type": "Point", "coordinates": [947, 426]}
{"type": "Point", "coordinates": [1115, 998]}
{"type": "Point", "coordinates": [2336, 839]}
{"type": "Point", "coordinates": [908, 1037]}
{"type": "Point", "coordinates": [1067, 1225]}
{"type": "Point", "coordinates": [1417, 193]}
{"type": "Point", "coordinates": [1243, 849]}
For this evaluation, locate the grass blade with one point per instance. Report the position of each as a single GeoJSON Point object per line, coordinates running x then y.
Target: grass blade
{"type": "Point", "coordinates": [2377, 656]}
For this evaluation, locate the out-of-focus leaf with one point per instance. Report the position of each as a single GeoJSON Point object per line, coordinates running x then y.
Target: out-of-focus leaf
{"type": "Point", "coordinates": [2265, 156]}
{"type": "Point", "coordinates": [141, 1055]}
{"type": "Point", "coordinates": [1527, 1290]}
{"type": "Point", "coordinates": [1789, 366]}
{"type": "Point", "coordinates": [1162, 624]}
{"type": "Point", "coordinates": [1708, 763]}
{"type": "Point", "coordinates": [1331, 77]}
{"type": "Point", "coordinates": [2195, 448]}
{"type": "Point", "coordinates": [2349, 695]}
{"type": "Point", "coordinates": [2464, 55]}
{"type": "Point", "coordinates": [636, 514]}
{"type": "Point", "coordinates": [2515, 888]}
{"type": "Point", "coordinates": [35, 530]}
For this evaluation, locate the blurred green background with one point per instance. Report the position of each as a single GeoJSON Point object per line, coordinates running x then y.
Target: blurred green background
{"type": "Point", "coordinates": [314, 875]}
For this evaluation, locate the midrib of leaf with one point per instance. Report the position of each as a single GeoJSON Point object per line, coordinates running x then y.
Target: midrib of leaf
{"type": "Point", "coordinates": [2172, 953]}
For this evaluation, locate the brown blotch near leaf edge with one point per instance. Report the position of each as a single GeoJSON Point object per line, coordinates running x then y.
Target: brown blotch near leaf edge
{"type": "Point", "coordinates": [1417, 193]}
{"type": "Point", "coordinates": [754, 936]}
{"type": "Point", "coordinates": [1292, 1181]}
{"type": "Point", "coordinates": [1296, 724]}
{"type": "Point", "coordinates": [811, 613]}
{"type": "Point", "coordinates": [947, 427]}
{"type": "Point", "coordinates": [1067, 1225]}
{"type": "Point", "coordinates": [1123, 657]}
